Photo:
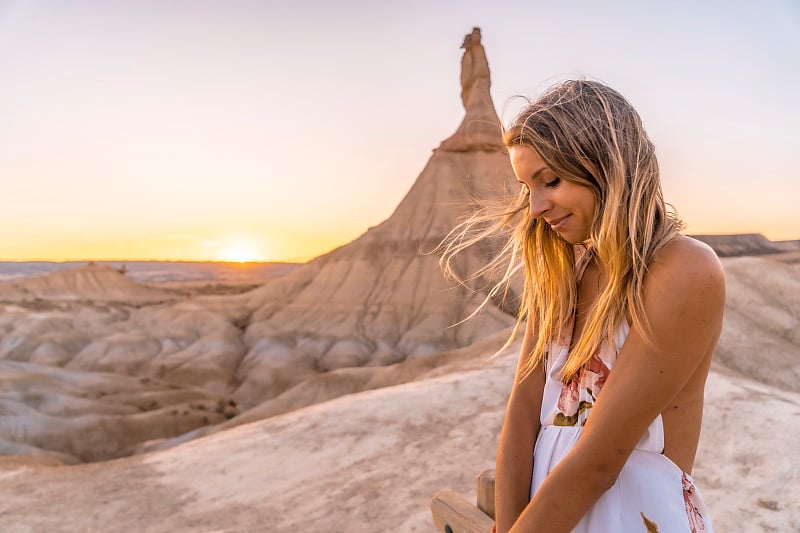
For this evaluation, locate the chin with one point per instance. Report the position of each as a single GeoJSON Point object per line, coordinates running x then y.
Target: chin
{"type": "Point", "coordinates": [572, 239]}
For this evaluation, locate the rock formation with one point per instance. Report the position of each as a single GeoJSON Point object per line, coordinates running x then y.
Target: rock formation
{"type": "Point", "coordinates": [480, 129]}
{"type": "Point", "coordinates": [381, 299]}
{"type": "Point", "coordinates": [325, 329]}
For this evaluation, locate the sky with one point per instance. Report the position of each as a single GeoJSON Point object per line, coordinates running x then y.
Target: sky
{"type": "Point", "coordinates": [274, 130]}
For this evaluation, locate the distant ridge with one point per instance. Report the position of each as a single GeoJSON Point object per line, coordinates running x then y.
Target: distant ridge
{"type": "Point", "coordinates": [91, 282]}
{"type": "Point", "coordinates": [155, 271]}
{"type": "Point", "coordinates": [734, 245]}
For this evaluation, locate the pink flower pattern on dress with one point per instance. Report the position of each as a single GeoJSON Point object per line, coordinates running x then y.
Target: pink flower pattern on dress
{"type": "Point", "coordinates": [568, 399]}
{"type": "Point", "coordinates": [601, 372]}
{"type": "Point", "coordinates": [694, 508]}
{"type": "Point", "coordinates": [591, 379]}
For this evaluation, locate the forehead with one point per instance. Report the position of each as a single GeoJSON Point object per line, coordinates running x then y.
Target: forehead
{"type": "Point", "coordinates": [525, 160]}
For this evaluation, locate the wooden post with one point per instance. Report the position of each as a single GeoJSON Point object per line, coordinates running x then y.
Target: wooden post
{"type": "Point", "coordinates": [454, 514]}
{"type": "Point", "coordinates": [486, 492]}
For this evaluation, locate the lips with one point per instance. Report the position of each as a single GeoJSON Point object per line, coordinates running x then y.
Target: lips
{"type": "Point", "coordinates": [558, 223]}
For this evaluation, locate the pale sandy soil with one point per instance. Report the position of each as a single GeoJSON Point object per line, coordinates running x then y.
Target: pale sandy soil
{"type": "Point", "coordinates": [371, 461]}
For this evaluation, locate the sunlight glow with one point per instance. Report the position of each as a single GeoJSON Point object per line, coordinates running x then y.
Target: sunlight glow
{"type": "Point", "coordinates": [237, 247]}
{"type": "Point", "coordinates": [241, 253]}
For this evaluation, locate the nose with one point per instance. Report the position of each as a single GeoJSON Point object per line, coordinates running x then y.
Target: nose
{"type": "Point", "coordinates": [540, 203]}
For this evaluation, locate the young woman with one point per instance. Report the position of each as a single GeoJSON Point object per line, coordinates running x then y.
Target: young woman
{"type": "Point", "coordinates": [621, 315]}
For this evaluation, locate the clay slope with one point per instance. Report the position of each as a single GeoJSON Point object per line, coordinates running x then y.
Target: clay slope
{"type": "Point", "coordinates": [77, 416]}
{"type": "Point", "coordinates": [93, 380]}
{"type": "Point", "coordinates": [336, 383]}
{"type": "Point", "coordinates": [761, 329]}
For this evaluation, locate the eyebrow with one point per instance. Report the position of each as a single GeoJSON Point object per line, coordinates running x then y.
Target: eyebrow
{"type": "Point", "coordinates": [536, 174]}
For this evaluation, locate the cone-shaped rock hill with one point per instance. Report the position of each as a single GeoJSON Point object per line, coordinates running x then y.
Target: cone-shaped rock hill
{"type": "Point", "coordinates": [380, 299]}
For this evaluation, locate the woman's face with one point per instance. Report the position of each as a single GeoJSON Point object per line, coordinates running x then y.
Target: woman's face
{"type": "Point", "coordinates": [567, 207]}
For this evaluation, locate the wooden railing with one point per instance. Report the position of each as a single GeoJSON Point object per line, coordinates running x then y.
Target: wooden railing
{"type": "Point", "coordinates": [454, 514]}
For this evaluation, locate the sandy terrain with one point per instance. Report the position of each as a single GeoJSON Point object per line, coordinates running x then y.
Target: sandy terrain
{"type": "Point", "coordinates": [371, 461]}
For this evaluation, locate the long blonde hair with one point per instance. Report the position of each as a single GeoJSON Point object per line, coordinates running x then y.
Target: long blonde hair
{"type": "Point", "coordinates": [588, 134]}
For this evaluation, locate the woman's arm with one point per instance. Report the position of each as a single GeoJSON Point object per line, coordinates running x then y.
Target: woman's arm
{"type": "Point", "coordinates": [515, 452]}
{"type": "Point", "coordinates": [684, 297]}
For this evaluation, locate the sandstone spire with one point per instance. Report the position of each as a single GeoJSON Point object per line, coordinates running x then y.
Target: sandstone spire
{"type": "Point", "coordinates": [480, 129]}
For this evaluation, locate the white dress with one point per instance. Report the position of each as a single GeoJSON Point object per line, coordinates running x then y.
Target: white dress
{"type": "Point", "coordinates": [651, 494]}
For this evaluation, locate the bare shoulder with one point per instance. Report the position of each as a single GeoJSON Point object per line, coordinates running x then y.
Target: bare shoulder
{"type": "Point", "coordinates": [688, 264]}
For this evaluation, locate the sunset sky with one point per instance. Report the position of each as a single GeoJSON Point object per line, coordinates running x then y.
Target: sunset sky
{"type": "Point", "coordinates": [277, 130]}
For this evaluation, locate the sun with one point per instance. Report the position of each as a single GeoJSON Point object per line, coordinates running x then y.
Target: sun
{"type": "Point", "coordinates": [238, 255]}
{"type": "Point", "coordinates": [240, 252]}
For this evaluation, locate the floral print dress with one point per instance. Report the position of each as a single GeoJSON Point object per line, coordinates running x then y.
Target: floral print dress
{"type": "Point", "coordinates": [651, 494]}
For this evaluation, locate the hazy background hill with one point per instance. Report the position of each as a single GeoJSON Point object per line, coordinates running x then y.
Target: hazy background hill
{"type": "Point", "coordinates": [156, 271]}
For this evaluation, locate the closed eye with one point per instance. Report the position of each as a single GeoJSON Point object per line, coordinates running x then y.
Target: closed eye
{"type": "Point", "coordinates": [553, 183]}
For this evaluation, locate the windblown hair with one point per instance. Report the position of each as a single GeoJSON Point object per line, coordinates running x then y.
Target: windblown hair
{"type": "Point", "coordinates": [588, 134]}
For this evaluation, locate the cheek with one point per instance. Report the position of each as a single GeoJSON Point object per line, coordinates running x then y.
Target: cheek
{"type": "Point", "coordinates": [590, 206]}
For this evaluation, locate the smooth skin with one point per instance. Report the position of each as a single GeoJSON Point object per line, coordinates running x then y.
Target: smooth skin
{"type": "Point", "coordinates": [684, 297]}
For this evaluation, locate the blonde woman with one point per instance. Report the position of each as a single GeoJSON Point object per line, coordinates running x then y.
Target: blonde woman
{"type": "Point", "coordinates": [621, 315]}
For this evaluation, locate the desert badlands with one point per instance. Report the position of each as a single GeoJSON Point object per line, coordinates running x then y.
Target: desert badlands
{"type": "Point", "coordinates": [343, 393]}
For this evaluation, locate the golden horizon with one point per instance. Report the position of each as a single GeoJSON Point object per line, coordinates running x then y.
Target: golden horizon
{"type": "Point", "coordinates": [248, 251]}
{"type": "Point", "coordinates": [232, 247]}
